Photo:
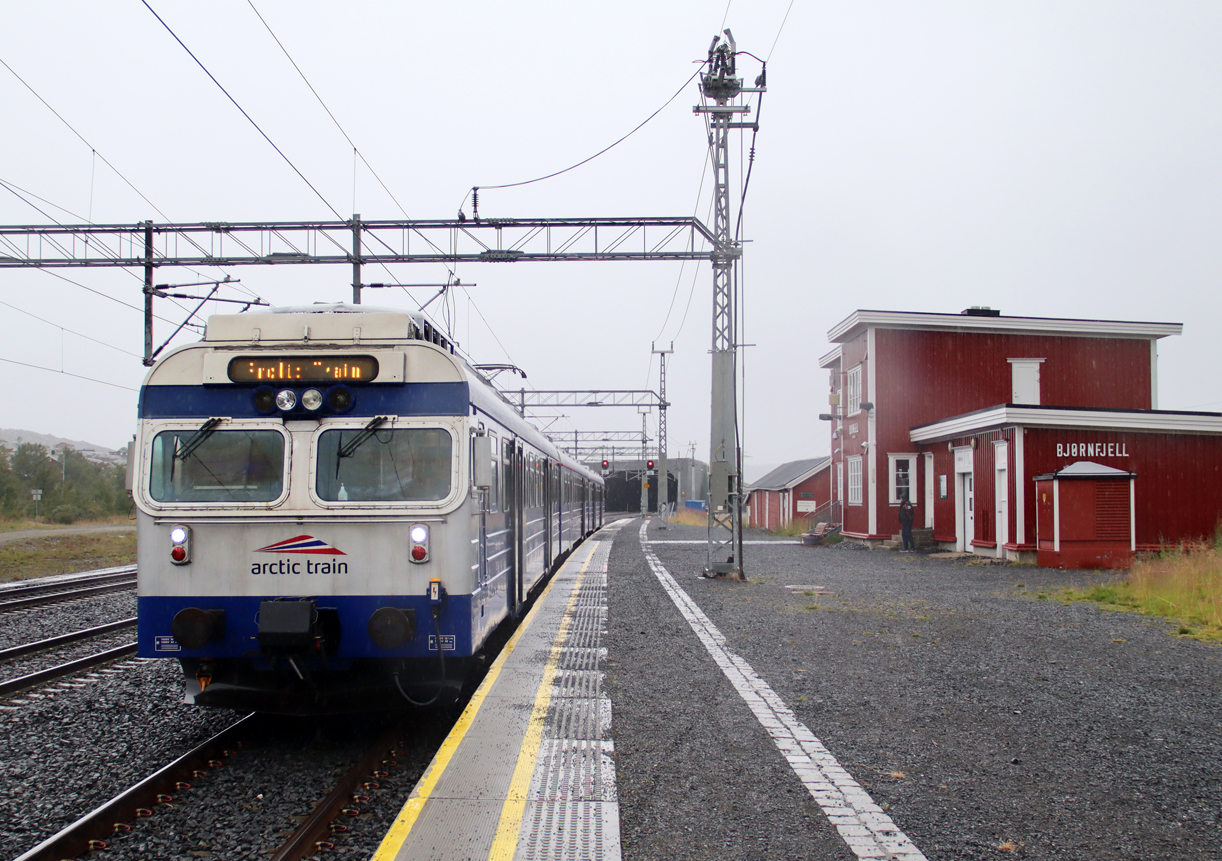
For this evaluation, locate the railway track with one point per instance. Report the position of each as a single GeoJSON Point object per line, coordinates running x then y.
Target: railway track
{"type": "Point", "coordinates": [50, 674]}
{"type": "Point", "coordinates": [119, 820]}
{"type": "Point", "coordinates": [67, 589]}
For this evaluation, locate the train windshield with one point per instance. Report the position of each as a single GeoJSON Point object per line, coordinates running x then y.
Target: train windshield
{"type": "Point", "coordinates": [391, 465]}
{"type": "Point", "coordinates": [222, 466]}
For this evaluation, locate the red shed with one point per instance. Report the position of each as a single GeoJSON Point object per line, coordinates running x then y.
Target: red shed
{"type": "Point", "coordinates": [1085, 517]}
{"type": "Point", "coordinates": [793, 489]}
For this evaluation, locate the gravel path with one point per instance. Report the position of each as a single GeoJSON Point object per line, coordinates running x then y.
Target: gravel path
{"type": "Point", "coordinates": [987, 722]}
{"type": "Point", "coordinates": [22, 534]}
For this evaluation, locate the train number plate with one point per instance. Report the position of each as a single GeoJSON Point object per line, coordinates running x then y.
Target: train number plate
{"type": "Point", "coordinates": [448, 642]}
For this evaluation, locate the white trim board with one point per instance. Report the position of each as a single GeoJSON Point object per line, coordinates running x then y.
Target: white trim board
{"type": "Point", "coordinates": [1148, 422]}
{"type": "Point", "coordinates": [853, 324]}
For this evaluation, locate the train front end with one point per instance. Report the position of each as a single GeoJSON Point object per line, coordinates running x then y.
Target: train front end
{"type": "Point", "coordinates": [304, 508]}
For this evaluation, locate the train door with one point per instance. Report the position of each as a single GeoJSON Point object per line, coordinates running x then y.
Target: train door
{"type": "Point", "coordinates": [515, 517]}
{"type": "Point", "coordinates": [481, 471]}
{"type": "Point", "coordinates": [548, 505]}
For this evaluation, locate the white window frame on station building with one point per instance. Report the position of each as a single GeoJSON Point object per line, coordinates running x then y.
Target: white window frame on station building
{"type": "Point", "coordinates": [854, 470]}
{"type": "Point", "coordinates": [852, 393]}
{"type": "Point", "coordinates": [893, 462]}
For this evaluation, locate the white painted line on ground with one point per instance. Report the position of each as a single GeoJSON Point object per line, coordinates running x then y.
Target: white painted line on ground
{"type": "Point", "coordinates": [705, 541]}
{"type": "Point", "coordinates": [861, 823]}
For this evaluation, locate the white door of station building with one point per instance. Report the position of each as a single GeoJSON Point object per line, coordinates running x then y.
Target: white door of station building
{"type": "Point", "coordinates": [965, 500]}
{"type": "Point", "coordinates": [1001, 495]}
{"type": "Point", "coordinates": [929, 490]}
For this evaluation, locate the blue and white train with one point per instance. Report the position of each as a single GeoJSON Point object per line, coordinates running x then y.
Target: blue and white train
{"type": "Point", "coordinates": [335, 511]}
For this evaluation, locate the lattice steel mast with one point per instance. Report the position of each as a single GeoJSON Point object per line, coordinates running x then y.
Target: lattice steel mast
{"type": "Point", "coordinates": [663, 478]}
{"type": "Point", "coordinates": [720, 84]}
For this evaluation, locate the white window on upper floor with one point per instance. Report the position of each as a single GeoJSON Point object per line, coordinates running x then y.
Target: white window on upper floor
{"type": "Point", "coordinates": [852, 395]}
{"type": "Point", "coordinates": [1025, 381]}
{"type": "Point", "coordinates": [855, 480]}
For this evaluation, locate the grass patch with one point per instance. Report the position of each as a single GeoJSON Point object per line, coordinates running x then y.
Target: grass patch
{"type": "Point", "coordinates": [689, 517]}
{"type": "Point", "coordinates": [65, 554]}
{"type": "Point", "coordinates": [792, 529]}
{"type": "Point", "coordinates": [1181, 585]}
{"type": "Point", "coordinates": [18, 524]}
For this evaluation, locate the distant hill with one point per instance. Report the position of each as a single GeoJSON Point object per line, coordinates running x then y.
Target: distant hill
{"type": "Point", "coordinates": [11, 438]}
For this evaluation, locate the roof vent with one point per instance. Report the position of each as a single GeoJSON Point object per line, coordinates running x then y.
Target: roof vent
{"type": "Point", "coordinates": [981, 311]}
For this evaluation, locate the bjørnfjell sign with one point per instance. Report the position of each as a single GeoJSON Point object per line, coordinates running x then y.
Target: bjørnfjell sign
{"type": "Point", "coordinates": [1092, 449]}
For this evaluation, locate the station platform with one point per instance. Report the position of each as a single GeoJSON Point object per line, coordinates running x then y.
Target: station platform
{"type": "Point", "coordinates": [529, 771]}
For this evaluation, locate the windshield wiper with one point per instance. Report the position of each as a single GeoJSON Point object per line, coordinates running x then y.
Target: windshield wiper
{"type": "Point", "coordinates": [197, 439]}
{"type": "Point", "coordinates": [357, 441]}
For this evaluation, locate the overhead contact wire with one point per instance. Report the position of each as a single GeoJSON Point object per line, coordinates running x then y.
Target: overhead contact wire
{"type": "Point", "coordinates": [242, 110]}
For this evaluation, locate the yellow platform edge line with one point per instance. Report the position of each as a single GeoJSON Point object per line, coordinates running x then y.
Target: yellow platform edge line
{"type": "Point", "coordinates": [505, 842]}
{"type": "Point", "coordinates": [399, 831]}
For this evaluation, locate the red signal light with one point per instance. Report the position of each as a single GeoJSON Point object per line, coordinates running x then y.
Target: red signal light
{"type": "Point", "coordinates": [649, 464]}
{"type": "Point", "coordinates": [178, 554]}
{"type": "Point", "coordinates": [418, 553]}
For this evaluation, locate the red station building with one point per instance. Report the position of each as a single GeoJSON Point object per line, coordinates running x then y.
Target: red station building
{"type": "Point", "coordinates": [1024, 438]}
{"type": "Point", "coordinates": [795, 489]}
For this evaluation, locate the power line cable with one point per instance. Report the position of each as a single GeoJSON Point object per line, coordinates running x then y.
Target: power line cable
{"type": "Point", "coordinates": [67, 374]}
{"type": "Point", "coordinates": [778, 31]}
{"type": "Point", "coordinates": [66, 329]}
{"type": "Point", "coordinates": [96, 155]}
{"type": "Point", "coordinates": [597, 154]}
{"type": "Point", "coordinates": [82, 139]}
{"type": "Point", "coordinates": [242, 110]}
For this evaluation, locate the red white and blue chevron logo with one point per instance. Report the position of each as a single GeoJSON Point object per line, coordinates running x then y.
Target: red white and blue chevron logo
{"type": "Point", "coordinates": [302, 544]}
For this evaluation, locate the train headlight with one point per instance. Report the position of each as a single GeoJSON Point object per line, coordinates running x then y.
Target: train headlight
{"type": "Point", "coordinates": [418, 537]}
{"type": "Point", "coordinates": [286, 399]}
{"type": "Point", "coordinates": [180, 544]}
{"type": "Point", "coordinates": [311, 399]}
{"type": "Point", "coordinates": [265, 399]}
{"type": "Point", "coordinates": [339, 399]}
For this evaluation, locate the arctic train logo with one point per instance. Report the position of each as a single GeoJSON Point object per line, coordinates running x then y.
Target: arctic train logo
{"type": "Point", "coordinates": [302, 544]}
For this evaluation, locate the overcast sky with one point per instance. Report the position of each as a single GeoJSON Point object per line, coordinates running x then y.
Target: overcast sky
{"type": "Point", "coordinates": [1047, 159]}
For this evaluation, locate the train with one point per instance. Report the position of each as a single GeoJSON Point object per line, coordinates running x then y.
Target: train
{"type": "Point", "coordinates": [336, 512]}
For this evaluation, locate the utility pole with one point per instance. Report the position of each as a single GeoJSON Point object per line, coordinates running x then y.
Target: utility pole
{"type": "Point", "coordinates": [720, 83]}
{"type": "Point", "coordinates": [663, 479]}
{"type": "Point", "coordinates": [644, 466]}
{"type": "Point", "coordinates": [356, 258]}
{"type": "Point", "coordinates": [148, 293]}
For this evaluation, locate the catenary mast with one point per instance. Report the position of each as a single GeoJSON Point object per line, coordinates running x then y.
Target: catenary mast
{"type": "Point", "coordinates": [720, 85]}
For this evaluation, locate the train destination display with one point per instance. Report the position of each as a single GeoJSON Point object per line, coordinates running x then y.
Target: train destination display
{"type": "Point", "coordinates": [305, 369]}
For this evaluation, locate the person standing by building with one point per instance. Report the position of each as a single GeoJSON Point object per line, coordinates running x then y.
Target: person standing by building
{"type": "Point", "coordinates": [906, 517]}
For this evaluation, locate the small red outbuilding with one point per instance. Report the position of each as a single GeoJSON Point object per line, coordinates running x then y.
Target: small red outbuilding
{"type": "Point", "coordinates": [1084, 517]}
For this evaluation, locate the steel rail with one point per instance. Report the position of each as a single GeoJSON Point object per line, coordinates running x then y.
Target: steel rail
{"type": "Point", "coordinates": [25, 587]}
{"type": "Point", "coordinates": [45, 597]}
{"type": "Point", "coordinates": [304, 841]}
{"type": "Point", "coordinates": [65, 639]}
{"type": "Point", "coordinates": [91, 830]}
{"type": "Point", "coordinates": [31, 680]}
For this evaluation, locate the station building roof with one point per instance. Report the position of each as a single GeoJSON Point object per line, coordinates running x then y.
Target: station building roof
{"type": "Point", "coordinates": [988, 320]}
{"type": "Point", "coordinates": [790, 474]}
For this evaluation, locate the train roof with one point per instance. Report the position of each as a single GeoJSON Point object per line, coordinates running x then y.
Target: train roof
{"type": "Point", "coordinates": [322, 323]}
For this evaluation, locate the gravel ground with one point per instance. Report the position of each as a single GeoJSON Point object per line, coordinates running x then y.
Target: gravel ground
{"type": "Point", "coordinates": [986, 721]}
{"type": "Point", "coordinates": [70, 747]}
{"type": "Point", "coordinates": [249, 806]}
{"type": "Point", "coordinates": [38, 623]}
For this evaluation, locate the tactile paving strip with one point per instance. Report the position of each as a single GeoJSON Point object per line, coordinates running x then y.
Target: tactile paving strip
{"type": "Point", "coordinates": [572, 810]}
